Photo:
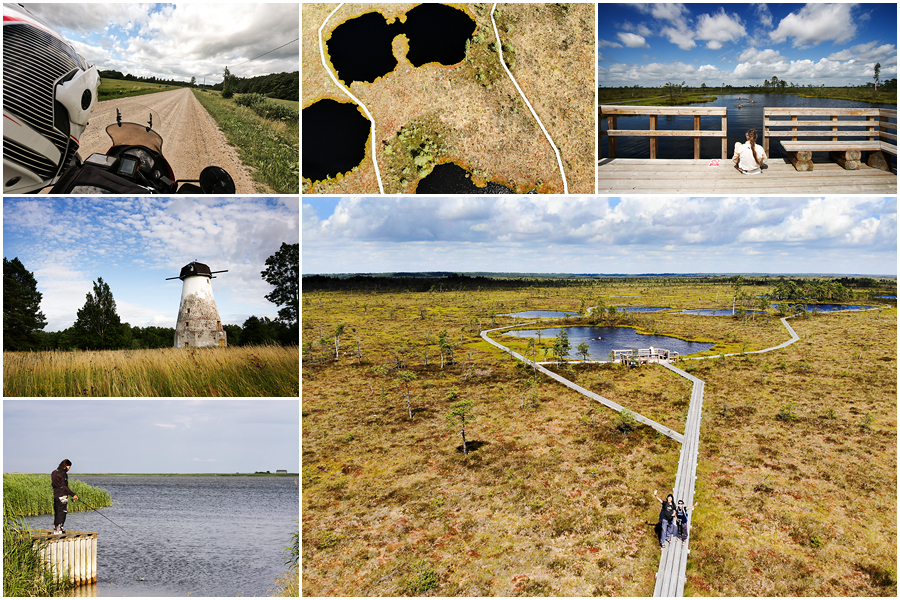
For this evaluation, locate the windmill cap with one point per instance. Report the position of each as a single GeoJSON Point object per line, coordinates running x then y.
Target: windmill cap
{"type": "Point", "coordinates": [195, 268]}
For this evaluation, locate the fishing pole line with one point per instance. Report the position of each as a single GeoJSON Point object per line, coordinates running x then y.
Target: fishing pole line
{"type": "Point", "coordinates": [102, 515]}
{"type": "Point", "coordinates": [527, 103]}
{"type": "Point", "coordinates": [352, 97]}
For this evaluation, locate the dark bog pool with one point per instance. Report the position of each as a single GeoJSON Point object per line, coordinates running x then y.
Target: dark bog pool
{"type": "Point", "coordinates": [540, 314]}
{"type": "Point", "coordinates": [189, 536]}
{"type": "Point", "coordinates": [823, 307]}
{"type": "Point", "coordinates": [642, 309]}
{"type": "Point", "coordinates": [602, 340]}
{"type": "Point", "coordinates": [334, 138]}
{"type": "Point", "coordinates": [449, 178]}
{"type": "Point", "coordinates": [360, 48]}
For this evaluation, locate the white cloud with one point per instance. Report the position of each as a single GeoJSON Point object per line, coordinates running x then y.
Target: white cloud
{"type": "Point", "coordinates": [632, 40]}
{"type": "Point", "coordinates": [816, 23]}
{"type": "Point", "coordinates": [720, 29]}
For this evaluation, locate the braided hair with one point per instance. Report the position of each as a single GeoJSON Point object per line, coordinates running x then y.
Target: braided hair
{"type": "Point", "coordinates": [751, 139]}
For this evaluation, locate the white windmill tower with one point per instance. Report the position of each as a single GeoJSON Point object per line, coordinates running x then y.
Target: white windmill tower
{"type": "Point", "coordinates": [198, 318]}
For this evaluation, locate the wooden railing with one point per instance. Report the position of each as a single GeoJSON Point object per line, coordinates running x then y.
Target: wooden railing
{"type": "Point", "coordinates": [612, 112]}
{"type": "Point", "coordinates": [786, 123]}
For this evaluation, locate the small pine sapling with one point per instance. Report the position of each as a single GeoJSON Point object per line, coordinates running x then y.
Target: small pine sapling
{"type": "Point", "coordinates": [460, 414]}
{"type": "Point", "coordinates": [404, 377]}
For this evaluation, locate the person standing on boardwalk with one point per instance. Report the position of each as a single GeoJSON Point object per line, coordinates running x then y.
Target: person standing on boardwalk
{"type": "Point", "coordinates": [749, 157]}
{"type": "Point", "coordinates": [681, 518]}
{"type": "Point", "coordinates": [666, 519]}
{"type": "Point", "coordinates": [61, 492]}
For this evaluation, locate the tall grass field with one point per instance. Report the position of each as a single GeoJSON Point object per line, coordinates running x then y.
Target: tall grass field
{"type": "Point", "coordinates": [231, 371]}
{"type": "Point", "coordinates": [270, 148]}
{"type": "Point", "coordinates": [30, 494]}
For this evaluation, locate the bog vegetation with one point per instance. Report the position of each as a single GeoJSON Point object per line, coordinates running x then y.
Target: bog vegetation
{"type": "Point", "coordinates": [230, 371]}
{"type": "Point", "coordinates": [797, 460]}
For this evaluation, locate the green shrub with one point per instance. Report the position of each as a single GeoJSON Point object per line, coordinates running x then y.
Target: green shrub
{"type": "Point", "coordinates": [786, 413]}
{"type": "Point", "coordinates": [249, 99]}
{"type": "Point", "coordinates": [626, 422]}
{"type": "Point", "coordinates": [422, 581]}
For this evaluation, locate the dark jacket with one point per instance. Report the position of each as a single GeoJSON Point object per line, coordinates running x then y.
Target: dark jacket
{"type": "Point", "coordinates": [60, 481]}
{"type": "Point", "coordinates": [667, 511]}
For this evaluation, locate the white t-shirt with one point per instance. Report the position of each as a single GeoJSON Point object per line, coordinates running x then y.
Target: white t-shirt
{"type": "Point", "coordinates": [747, 164]}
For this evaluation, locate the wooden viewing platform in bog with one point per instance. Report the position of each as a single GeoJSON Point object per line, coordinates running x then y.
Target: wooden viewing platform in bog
{"type": "Point", "coordinates": [72, 555]}
{"type": "Point", "coordinates": [717, 175]}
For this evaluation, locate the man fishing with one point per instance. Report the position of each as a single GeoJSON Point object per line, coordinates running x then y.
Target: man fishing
{"type": "Point", "coordinates": [61, 492]}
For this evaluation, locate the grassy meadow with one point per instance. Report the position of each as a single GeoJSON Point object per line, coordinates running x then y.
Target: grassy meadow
{"type": "Point", "coordinates": [797, 464]}
{"type": "Point", "coordinates": [231, 371]}
{"type": "Point", "coordinates": [110, 89]}
{"type": "Point", "coordinates": [270, 148]}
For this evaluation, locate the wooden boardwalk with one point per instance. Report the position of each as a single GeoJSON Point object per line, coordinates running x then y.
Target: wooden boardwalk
{"type": "Point", "coordinates": [672, 571]}
{"type": "Point", "coordinates": [690, 176]}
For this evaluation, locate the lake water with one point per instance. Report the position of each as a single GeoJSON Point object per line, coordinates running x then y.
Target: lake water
{"type": "Point", "coordinates": [611, 338]}
{"type": "Point", "coordinates": [739, 121]}
{"type": "Point", "coordinates": [450, 178]}
{"type": "Point", "coordinates": [540, 314]}
{"type": "Point", "coordinates": [642, 309]}
{"type": "Point", "coordinates": [197, 536]}
{"type": "Point", "coordinates": [714, 312]}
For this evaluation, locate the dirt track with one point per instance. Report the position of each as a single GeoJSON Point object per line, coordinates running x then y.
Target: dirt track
{"type": "Point", "coordinates": [191, 138]}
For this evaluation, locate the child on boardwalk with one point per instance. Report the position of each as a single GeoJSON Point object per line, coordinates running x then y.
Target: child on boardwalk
{"type": "Point", "coordinates": [682, 517]}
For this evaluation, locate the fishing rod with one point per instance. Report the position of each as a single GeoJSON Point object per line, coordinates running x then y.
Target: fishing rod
{"type": "Point", "coordinates": [102, 515]}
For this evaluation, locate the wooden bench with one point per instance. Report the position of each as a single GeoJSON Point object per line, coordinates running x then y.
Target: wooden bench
{"type": "Point", "coordinates": [821, 123]}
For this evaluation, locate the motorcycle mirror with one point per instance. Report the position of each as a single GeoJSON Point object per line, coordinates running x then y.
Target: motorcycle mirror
{"type": "Point", "coordinates": [150, 125]}
{"type": "Point", "coordinates": [216, 180]}
{"type": "Point", "coordinates": [118, 118]}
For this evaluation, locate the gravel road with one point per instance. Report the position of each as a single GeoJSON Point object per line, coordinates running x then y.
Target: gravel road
{"type": "Point", "coordinates": [191, 138]}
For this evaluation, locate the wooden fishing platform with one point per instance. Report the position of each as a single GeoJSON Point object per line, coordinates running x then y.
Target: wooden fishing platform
{"type": "Point", "coordinates": [72, 554]}
{"type": "Point", "coordinates": [695, 176]}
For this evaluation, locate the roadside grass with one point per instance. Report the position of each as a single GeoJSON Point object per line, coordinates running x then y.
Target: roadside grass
{"type": "Point", "coordinates": [111, 89]}
{"type": "Point", "coordinates": [553, 499]}
{"type": "Point", "coordinates": [231, 371]}
{"type": "Point", "coordinates": [295, 104]}
{"type": "Point", "coordinates": [270, 148]}
{"type": "Point", "coordinates": [28, 494]}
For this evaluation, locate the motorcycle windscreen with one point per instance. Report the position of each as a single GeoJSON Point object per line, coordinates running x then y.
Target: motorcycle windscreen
{"type": "Point", "coordinates": [132, 134]}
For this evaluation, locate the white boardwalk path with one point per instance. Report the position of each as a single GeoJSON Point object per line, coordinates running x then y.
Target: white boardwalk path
{"type": "Point", "coordinates": [352, 97]}
{"type": "Point", "coordinates": [527, 103]}
{"type": "Point", "coordinates": [670, 577]}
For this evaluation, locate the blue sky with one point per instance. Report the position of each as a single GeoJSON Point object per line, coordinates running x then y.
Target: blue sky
{"type": "Point", "coordinates": [180, 41]}
{"type": "Point", "coordinates": [590, 234]}
{"type": "Point", "coordinates": [152, 436]}
{"type": "Point", "coordinates": [134, 244]}
{"type": "Point", "coordinates": [743, 44]}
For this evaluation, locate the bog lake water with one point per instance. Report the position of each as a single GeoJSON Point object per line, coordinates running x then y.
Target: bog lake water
{"type": "Point", "coordinates": [601, 340]}
{"type": "Point", "coordinates": [197, 536]}
{"type": "Point", "coordinates": [750, 115]}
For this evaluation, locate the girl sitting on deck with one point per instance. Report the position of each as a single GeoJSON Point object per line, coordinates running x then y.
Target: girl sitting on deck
{"type": "Point", "coordinates": [749, 157]}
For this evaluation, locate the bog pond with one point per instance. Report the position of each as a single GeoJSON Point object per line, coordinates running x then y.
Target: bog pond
{"type": "Point", "coordinates": [602, 340]}
{"type": "Point", "coordinates": [188, 536]}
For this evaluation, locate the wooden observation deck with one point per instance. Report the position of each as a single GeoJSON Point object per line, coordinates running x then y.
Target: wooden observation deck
{"type": "Point", "coordinates": [716, 174]}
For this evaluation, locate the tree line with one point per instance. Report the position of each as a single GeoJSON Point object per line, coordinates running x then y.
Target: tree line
{"type": "Point", "coordinates": [284, 86]}
{"type": "Point", "coordinates": [98, 326]}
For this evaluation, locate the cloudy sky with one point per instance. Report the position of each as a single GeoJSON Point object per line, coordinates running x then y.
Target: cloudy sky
{"type": "Point", "coordinates": [152, 436]}
{"type": "Point", "coordinates": [598, 235]}
{"type": "Point", "coordinates": [180, 41]}
{"type": "Point", "coordinates": [742, 44]}
{"type": "Point", "coordinates": [134, 244]}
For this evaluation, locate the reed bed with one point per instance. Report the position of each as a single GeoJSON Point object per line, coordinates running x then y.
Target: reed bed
{"type": "Point", "coordinates": [23, 572]}
{"type": "Point", "coordinates": [30, 494]}
{"type": "Point", "coordinates": [232, 371]}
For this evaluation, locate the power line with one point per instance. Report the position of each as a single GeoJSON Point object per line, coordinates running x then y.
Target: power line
{"type": "Point", "coordinates": [264, 53]}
